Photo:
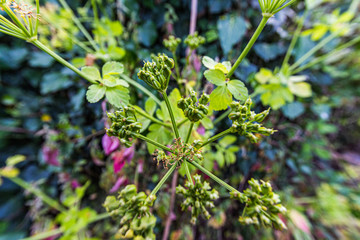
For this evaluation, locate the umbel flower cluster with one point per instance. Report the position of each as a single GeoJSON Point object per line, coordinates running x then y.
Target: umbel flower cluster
{"type": "Point", "coordinates": [198, 197]}
{"type": "Point", "coordinates": [194, 109]}
{"type": "Point", "coordinates": [132, 209]}
{"type": "Point", "coordinates": [123, 125]}
{"type": "Point", "coordinates": [194, 41]}
{"type": "Point", "coordinates": [157, 72]}
{"type": "Point", "coordinates": [172, 43]}
{"type": "Point", "coordinates": [262, 205]}
{"type": "Point", "coordinates": [180, 152]}
{"type": "Point", "coordinates": [246, 122]}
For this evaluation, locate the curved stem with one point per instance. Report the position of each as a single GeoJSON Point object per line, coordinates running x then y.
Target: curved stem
{"type": "Point", "coordinates": [313, 50]}
{"type": "Point", "coordinates": [168, 105]}
{"type": "Point", "coordinates": [41, 46]}
{"type": "Point", "coordinates": [182, 122]}
{"type": "Point", "coordinates": [215, 178]}
{"type": "Point", "coordinates": [37, 192]}
{"type": "Point", "coordinates": [140, 87]}
{"type": "Point", "coordinates": [163, 180]}
{"type": "Point", "coordinates": [216, 137]}
{"type": "Point", "coordinates": [222, 116]}
{"type": "Point", "coordinates": [248, 46]}
{"type": "Point", "coordinates": [148, 116]}
{"type": "Point", "coordinates": [142, 137]}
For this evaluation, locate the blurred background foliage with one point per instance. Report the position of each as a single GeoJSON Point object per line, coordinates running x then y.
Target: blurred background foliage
{"type": "Point", "coordinates": [313, 161]}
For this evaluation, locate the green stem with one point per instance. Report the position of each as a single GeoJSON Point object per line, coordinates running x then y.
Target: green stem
{"type": "Point", "coordinates": [313, 51]}
{"type": "Point", "coordinates": [249, 45]}
{"type": "Point", "coordinates": [48, 200]}
{"type": "Point", "coordinates": [182, 122]}
{"type": "Point", "coordinates": [95, 11]}
{"type": "Point", "coordinates": [294, 40]}
{"type": "Point", "coordinates": [142, 137]}
{"type": "Point", "coordinates": [222, 116]}
{"type": "Point", "coordinates": [168, 105]}
{"type": "Point", "coordinates": [176, 67]}
{"type": "Point", "coordinates": [163, 180]}
{"type": "Point", "coordinates": [216, 137]}
{"type": "Point", "coordinates": [148, 116]}
{"type": "Point", "coordinates": [141, 88]}
{"type": "Point", "coordinates": [41, 46]}
{"type": "Point", "coordinates": [212, 176]}
{"type": "Point", "coordinates": [189, 132]}
{"type": "Point", "coordinates": [18, 23]}
{"type": "Point", "coordinates": [324, 57]}
{"type": "Point", "coordinates": [79, 24]}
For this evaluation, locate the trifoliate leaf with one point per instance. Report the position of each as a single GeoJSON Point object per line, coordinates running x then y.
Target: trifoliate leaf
{"type": "Point", "coordinates": [95, 92]}
{"type": "Point", "coordinates": [118, 96]}
{"type": "Point", "coordinates": [92, 73]}
{"type": "Point", "coordinates": [220, 98]}
{"type": "Point", "coordinates": [112, 81]}
{"type": "Point", "coordinates": [12, 161]}
{"type": "Point", "coordinates": [208, 62]}
{"type": "Point", "coordinates": [112, 68]}
{"type": "Point", "coordinates": [238, 90]}
{"type": "Point", "coordinates": [215, 76]}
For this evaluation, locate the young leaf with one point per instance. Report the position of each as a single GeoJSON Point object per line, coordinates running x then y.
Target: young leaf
{"type": "Point", "coordinates": [238, 90]}
{"type": "Point", "coordinates": [95, 92]}
{"type": "Point", "coordinates": [215, 76]}
{"type": "Point", "coordinates": [301, 89]}
{"type": "Point", "coordinates": [118, 96]}
{"type": "Point", "coordinates": [112, 81]}
{"type": "Point", "coordinates": [208, 62]}
{"type": "Point", "coordinates": [92, 73]}
{"type": "Point", "coordinates": [12, 161]}
{"type": "Point", "coordinates": [220, 98]}
{"type": "Point", "coordinates": [112, 68]}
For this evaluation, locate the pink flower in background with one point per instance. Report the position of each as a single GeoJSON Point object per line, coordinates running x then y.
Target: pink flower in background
{"type": "Point", "coordinates": [75, 184]}
{"type": "Point", "coordinates": [201, 130]}
{"type": "Point", "coordinates": [197, 63]}
{"type": "Point", "coordinates": [121, 181]}
{"type": "Point", "coordinates": [121, 157]}
{"type": "Point", "coordinates": [50, 155]}
{"type": "Point", "coordinates": [110, 144]}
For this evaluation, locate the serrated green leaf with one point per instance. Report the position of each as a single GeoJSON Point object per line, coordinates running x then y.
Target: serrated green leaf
{"type": "Point", "coordinates": [220, 98]}
{"type": "Point", "coordinates": [215, 76]}
{"type": "Point", "coordinates": [95, 92]}
{"type": "Point", "coordinates": [207, 123]}
{"type": "Point", "coordinates": [159, 134]}
{"type": "Point", "coordinates": [238, 90]}
{"type": "Point", "coordinates": [92, 73]}
{"type": "Point", "coordinates": [150, 106]}
{"type": "Point", "coordinates": [112, 68]}
{"type": "Point", "coordinates": [12, 161]}
{"type": "Point", "coordinates": [118, 96]}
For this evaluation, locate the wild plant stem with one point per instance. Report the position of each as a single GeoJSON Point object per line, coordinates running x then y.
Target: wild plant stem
{"type": "Point", "coordinates": [248, 46]}
{"type": "Point", "coordinates": [148, 116]}
{"type": "Point", "coordinates": [79, 25]}
{"type": "Point", "coordinates": [313, 50]}
{"type": "Point", "coordinates": [176, 67]}
{"type": "Point", "coordinates": [294, 39]}
{"type": "Point", "coordinates": [141, 88]}
{"type": "Point", "coordinates": [222, 116]}
{"type": "Point", "coordinates": [216, 137]}
{"type": "Point", "coordinates": [42, 47]}
{"type": "Point", "coordinates": [171, 209]}
{"type": "Point", "coordinates": [142, 137]}
{"type": "Point", "coordinates": [163, 180]}
{"type": "Point", "coordinates": [48, 200]}
{"type": "Point", "coordinates": [168, 105]}
{"type": "Point", "coordinates": [189, 132]}
{"type": "Point", "coordinates": [212, 176]}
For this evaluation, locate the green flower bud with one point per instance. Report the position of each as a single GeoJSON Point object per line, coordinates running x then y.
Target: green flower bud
{"type": "Point", "coordinates": [172, 43]}
{"type": "Point", "coordinates": [194, 41]}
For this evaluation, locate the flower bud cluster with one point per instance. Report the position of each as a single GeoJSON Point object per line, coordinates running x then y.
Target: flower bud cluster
{"type": "Point", "coordinates": [262, 205]}
{"type": "Point", "coordinates": [157, 72]}
{"type": "Point", "coordinates": [194, 41]}
{"type": "Point", "coordinates": [194, 109]}
{"type": "Point", "coordinates": [133, 211]}
{"type": "Point", "coordinates": [180, 152]}
{"type": "Point", "coordinates": [124, 125]}
{"type": "Point", "coordinates": [172, 43]}
{"type": "Point", "coordinates": [198, 196]}
{"type": "Point", "coordinates": [246, 122]}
